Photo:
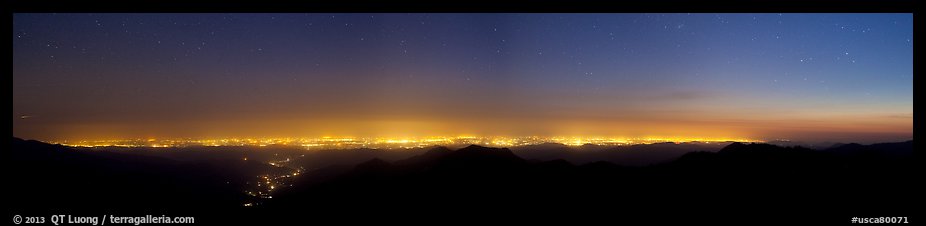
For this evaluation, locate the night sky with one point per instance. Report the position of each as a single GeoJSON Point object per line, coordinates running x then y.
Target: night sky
{"type": "Point", "coordinates": [813, 77]}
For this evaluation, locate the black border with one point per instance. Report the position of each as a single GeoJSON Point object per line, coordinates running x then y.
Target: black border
{"type": "Point", "coordinates": [479, 6]}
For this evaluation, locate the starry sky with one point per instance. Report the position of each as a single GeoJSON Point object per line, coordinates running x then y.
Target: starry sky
{"type": "Point", "coordinates": [814, 77]}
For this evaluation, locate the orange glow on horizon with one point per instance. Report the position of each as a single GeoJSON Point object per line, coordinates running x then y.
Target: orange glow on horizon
{"type": "Point", "coordinates": [334, 142]}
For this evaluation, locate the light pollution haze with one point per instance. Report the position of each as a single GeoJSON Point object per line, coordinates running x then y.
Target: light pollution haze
{"type": "Point", "coordinates": [808, 77]}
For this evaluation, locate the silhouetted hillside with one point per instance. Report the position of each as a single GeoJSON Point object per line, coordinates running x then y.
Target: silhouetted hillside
{"type": "Point", "coordinates": [732, 183]}
{"type": "Point", "coordinates": [54, 176]}
{"type": "Point", "coordinates": [632, 155]}
{"type": "Point", "coordinates": [741, 181]}
{"type": "Point", "coordinates": [889, 149]}
{"type": "Point", "coordinates": [314, 159]}
{"type": "Point", "coordinates": [428, 158]}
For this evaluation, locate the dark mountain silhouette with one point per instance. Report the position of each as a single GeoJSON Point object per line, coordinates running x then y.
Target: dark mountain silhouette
{"type": "Point", "coordinates": [631, 155]}
{"type": "Point", "coordinates": [428, 158]}
{"type": "Point", "coordinates": [314, 159]}
{"type": "Point", "coordinates": [890, 149]}
{"type": "Point", "coordinates": [478, 158]}
{"type": "Point", "coordinates": [54, 176]}
{"type": "Point", "coordinates": [733, 183]}
{"type": "Point", "coordinates": [740, 181]}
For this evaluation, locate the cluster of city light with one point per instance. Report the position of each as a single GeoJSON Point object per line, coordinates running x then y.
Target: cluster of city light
{"type": "Point", "coordinates": [395, 142]}
{"type": "Point", "coordinates": [266, 184]}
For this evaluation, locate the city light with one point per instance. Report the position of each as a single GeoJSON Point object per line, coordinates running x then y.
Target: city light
{"type": "Point", "coordinates": [394, 142]}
